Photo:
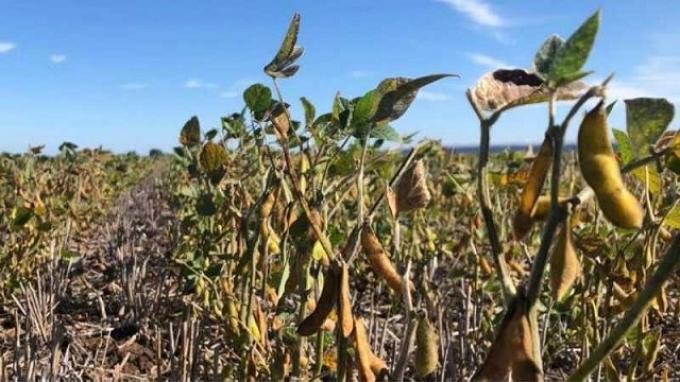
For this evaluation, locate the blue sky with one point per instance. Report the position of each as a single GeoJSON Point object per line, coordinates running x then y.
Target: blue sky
{"type": "Point", "coordinates": [127, 74]}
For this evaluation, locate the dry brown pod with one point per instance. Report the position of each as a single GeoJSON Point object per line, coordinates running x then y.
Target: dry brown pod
{"type": "Point", "coordinates": [513, 348]}
{"type": "Point", "coordinates": [268, 203]}
{"type": "Point", "coordinates": [363, 351]}
{"type": "Point", "coordinates": [532, 189]}
{"type": "Point", "coordinates": [485, 265]}
{"type": "Point", "coordinates": [379, 367]}
{"type": "Point", "coordinates": [565, 267]}
{"type": "Point", "coordinates": [345, 303]}
{"type": "Point", "coordinates": [391, 198]}
{"type": "Point", "coordinates": [369, 365]}
{"type": "Point", "coordinates": [260, 318]}
{"type": "Point", "coordinates": [327, 301]}
{"type": "Point", "coordinates": [412, 192]}
{"type": "Point", "coordinates": [427, 351]}
{"type": "Point", "coordinates": [380, 263]}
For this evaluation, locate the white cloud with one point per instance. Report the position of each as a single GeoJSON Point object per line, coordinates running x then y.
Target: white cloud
{"type": "Point", "coordinates": [478, 11]}
{"type": "Point", "coordinates": [6, 47]}
{"type": "Point", "coordinates": [58, 58]}
{"type": "Point", "coordinates": [426, 95]}
{"type": "Point", "coordinates": [198, 84]}
{"type": "Point", "coordinates": [134, 86]}
{"type": "Point", "coordinates": [487, 61]}
{"type": "Point", "coordinates": [658, 76]}
{"type": "Point", "coordinates": [229, 94]}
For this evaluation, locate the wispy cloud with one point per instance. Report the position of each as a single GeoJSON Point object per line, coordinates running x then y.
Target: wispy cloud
{"type": "Point", "coordinates": [58, 58]}
{"type": "Point", "coordinates": [6, 47]}
{"type": "Point", "coordinates": [198, 84]}
{"type": "Point", "coordinates": [359, 73]}
{"type": "Point", "coordinates": [658, 76]}
{"type": "Point", "coordinates": [487, 62]}
{"type": "Point", "coordinates": [134, 86]}
{"type": "Point", "coordinates": [477, 11]}
{"type": "Point", "coordinates": [426, 95]}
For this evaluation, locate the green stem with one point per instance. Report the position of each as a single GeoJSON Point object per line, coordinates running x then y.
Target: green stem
{"type": "Point", "coordinates": [485, 124]}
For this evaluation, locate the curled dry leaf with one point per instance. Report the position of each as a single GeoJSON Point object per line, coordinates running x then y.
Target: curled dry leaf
{"type": "Point", "coordinates": [212, 157]}
{"type": "Point", "coordinates": [282, 64]}
{"type": "Point", "coordinates": [532, 189]}
{"type": "Point", "coordinates": [506, 88]}
{"type": "Point", "coordinates": [412, 192]}
{"type": "Point", "coordinates": [327, 300]}
{"type": "Point", "coordinates": [565, 267]}
{"type": "Point", "coordinates": [427, 351]}
{"type": "Point", "coordinates": [191, 133]}
{"type": "Point", "coordinates": [380, 263]}
{"type": "Point", "coordinates": [513, 348]}
{"type": "Point", "coordinates": [281, 121]}
{"type": "Point", "coordinates": [344, 303]}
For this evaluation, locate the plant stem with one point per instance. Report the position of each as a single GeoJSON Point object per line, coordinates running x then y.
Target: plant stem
{"type": "Point", "coordinates": [292, 174]}
{"type": "Point", "coordinates": [409, 328]}
{"type": "Point", "coordinates": [665, 270]}
{"type": "Point", "coordinates": [350, 248]}
{"type": "Point", "coordinates": [557, 212]}
{"type": "Point", "coordinates": [485, 124]}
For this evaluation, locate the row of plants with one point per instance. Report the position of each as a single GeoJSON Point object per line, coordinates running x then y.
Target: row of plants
{"type": "Point", "coordinates": [45, 200]}
{"type": "Point", "coordinates": [311, 240]}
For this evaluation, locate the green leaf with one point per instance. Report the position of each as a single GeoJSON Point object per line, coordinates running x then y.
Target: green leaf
{"type": "Point", "coordinates": [233, 126]}
{"type": "Point", "coordinates": [191, 133]}
{"type": "Point", "coordinates": [68, 255]}
{"type": "Point", "coordinates": [68, 146]}
{"type": "Point", "coordinates": [21, 216]}
{"type": "Point", "coordinates": [610, 107]}
{"type": "Point", "coordinates": [365, 108]}
{"type": "Point", "coordinates": [573, 54]}
{"type": "Point", "coordinates": [573, 77]}
{"type": "Point", "coordinates": [338, 107]}
{"type": "Point", "coordinates": [625, 147]}
{"type": "Point", "coordinates": [205, 205]}
{"type": "Point", "coordinates": [287, 53]}
{"type": "Point", "coordinates": [673, 163]}
{"type": "Point", "coordinates": [649, 173]}
{"type": "Point", "coordinates": [210, 134]}
{"type": "Point", "coordinates": [628, 155]}
{"type": "Point", "coordinates": [318, 253]}
{"type": "Point", "coordinates": [310, 111]}
{"type": "Point", "coordinates": [385, 132]}
{"type": "Point", "coordinates": [258, 98]}
{"type": "Point", "coordinates": [673, 218]}
{"type": "Point", "coordinates": [546, 54]}
{"type": "Point", "coordinates": [397, 94]}
{"type": "Point", "coordinates": [647, 119]}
